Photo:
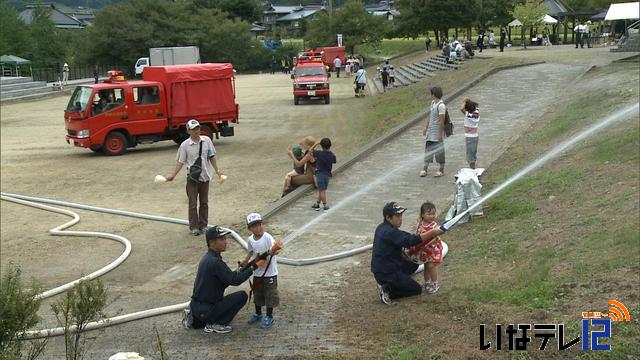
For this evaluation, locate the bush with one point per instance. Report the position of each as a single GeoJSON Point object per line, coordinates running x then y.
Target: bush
{"type": "Point", "coordinates": [18, 312]}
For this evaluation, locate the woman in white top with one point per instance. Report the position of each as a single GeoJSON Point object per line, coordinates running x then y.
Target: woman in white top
{"type": "Point", "coordinates": [471, 120]}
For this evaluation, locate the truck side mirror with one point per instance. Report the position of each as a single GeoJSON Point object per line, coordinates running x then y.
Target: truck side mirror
{"type": "Point", "coordinates": [292, 77]}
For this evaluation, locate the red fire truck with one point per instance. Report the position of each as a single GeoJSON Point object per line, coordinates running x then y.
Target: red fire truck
{"type": "Point", "coordinates": [118, 114]}
{"type": "Point", "coordinates": [310, 79]}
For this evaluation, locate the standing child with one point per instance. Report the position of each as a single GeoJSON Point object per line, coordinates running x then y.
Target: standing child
{"type": "Point", "coordinates": [324, 163]}
{"type": "Point", "coordinates": [471, 120]}
{"type": "Point", "coordinates": [392, 76]}
{"type": "Point", "coordinates": [265, 278]}
{"type": "Point", "coordinates": [430, 250]}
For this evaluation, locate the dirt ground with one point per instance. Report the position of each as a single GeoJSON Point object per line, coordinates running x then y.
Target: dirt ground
{"type": "Point", "coordinates": [35, 160]}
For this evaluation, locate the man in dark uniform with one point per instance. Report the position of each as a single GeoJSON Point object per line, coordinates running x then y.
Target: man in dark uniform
{"type": "Point", "coordinates": [209, 307]}
{"type": "Point", "coordinates": [390, 268]}
{"type": "Point", "coordinates": [480, 41]}
{"type": "Point", "coordinates": [503, 33]}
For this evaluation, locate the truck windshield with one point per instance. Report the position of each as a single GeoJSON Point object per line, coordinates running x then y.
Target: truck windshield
{"type": "Point", "coordinates": [80, 99]}
{"type": "Point", "coordinates": [310, 71]}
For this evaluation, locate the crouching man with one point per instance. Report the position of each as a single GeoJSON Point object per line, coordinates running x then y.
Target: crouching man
{"type": "Point", "coordinates": [390, 268]}
{"type": "Point", "coordinates": [209, 307]}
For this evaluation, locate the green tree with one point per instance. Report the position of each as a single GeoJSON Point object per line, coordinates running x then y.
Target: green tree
{"type": "Point", "coordinates": [418, 16]}
{"type": "Point", "coordinates": [495, 12]}
{"type": "Point", "coordinates": [352, 21]}
{"type": "Point", "coordinates": [530, 14]}
{"type": "Point", "coordinates": [14, 33]}
{"type": "Point", "coordinates": [80, 306]}
{"type": "Point", "coordinates": [249, 10]}
{"type": "Point", "coordinates": [46, 46]}
{"type": "Point", "coordinates": [18, 312]}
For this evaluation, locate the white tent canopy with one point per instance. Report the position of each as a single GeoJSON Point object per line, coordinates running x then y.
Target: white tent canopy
{"type": "Point", "coordinates": [515, 22]}
{"type": "Point", "coordinates": [549, 19]}
{"type": "Point", "coordinates": [623, 11]}
{"type": "Point", "coordinates": [546, 19]}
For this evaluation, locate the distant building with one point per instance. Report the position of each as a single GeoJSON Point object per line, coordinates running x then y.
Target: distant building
{"type": "Point", "coordinates": [61, 20]}
{"type": "Point", "coordinates": [383, 8]}
{"type": "Point", "coordinates": [287, 19]}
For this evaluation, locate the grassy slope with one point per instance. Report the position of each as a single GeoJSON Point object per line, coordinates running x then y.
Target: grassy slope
{"type": "Point", "coordinates": [561, 241]}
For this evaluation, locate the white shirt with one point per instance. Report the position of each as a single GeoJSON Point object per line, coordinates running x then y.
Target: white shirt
{"type": "Point", "coordinates": [261, 246]}
{"type": "Point", "coordinates": [337, 63]}
{"type": "Point", "coordinates": [188, 153]}
{"type": "Point", "coordinates": [361, 76]}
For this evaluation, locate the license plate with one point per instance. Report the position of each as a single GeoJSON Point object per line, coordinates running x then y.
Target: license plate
{"type": "Point", "coordinates": [311, 93]}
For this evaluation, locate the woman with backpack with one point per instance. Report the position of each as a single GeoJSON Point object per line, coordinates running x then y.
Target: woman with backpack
{"type": "Point", "coordinates": [434, 133]}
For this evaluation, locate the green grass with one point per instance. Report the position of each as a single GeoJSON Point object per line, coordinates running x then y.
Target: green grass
{"type": "Point", "coordinates": [388, 48]}
{"type": "Point", "coordinates": [397, 351]}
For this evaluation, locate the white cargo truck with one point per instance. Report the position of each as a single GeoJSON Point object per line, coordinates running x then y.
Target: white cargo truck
{"type": "Point", "coordinates": [178, 55]}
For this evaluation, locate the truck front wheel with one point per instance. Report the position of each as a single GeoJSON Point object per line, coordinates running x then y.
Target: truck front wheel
{"type": "Point", "coordinates": [296, 100]}
{"type": "Point", "coordinates": [115, 144]}
{"type": "Point", "coordinates": [327, 99]}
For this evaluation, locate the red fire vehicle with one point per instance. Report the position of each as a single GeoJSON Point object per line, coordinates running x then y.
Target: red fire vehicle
{"type": "Point", "coordinates": [329, 55]}
{"type": "Point", "coordinates": [118, 114]}
{"type": "Point", "coordinates": [310, 79]}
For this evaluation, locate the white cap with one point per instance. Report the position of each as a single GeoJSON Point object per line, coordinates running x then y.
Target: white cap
{"type": "Point", "coordinates": [192, 124]}
{"type": "Point", "coordinates": [253, 218]}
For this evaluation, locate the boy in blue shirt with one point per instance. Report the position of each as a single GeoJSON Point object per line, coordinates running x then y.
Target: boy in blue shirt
{"type": "Point", "coordinates": [324, 163]}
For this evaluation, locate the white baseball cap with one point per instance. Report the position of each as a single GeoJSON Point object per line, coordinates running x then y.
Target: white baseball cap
{"type": "Point", "coordinates": [192, 124]}
{"type": "Point", "coordinates": [253, 218]}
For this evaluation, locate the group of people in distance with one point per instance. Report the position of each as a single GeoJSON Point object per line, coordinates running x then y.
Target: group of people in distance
{"type": "Point", "coordinates": [387, 74]}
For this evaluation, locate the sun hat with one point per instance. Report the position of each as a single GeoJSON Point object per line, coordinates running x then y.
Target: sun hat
{"type": "Point", "coordinates": [192, 124]}
{"type": "Point", "coordinates": [307, 142]}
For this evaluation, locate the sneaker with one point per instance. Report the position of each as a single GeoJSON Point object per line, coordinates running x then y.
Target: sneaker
{"type": "Point", "coordinates": [187, 319]}
{"type": "Point", "coordinates": [423, 173]}
{"type": "Point", "coordinates": [254, 319]}
{"type": "Point", "coordinates": [195, 232]}
{"type": "Point", "coordinates": [316, 207]}
{"type": "Point", "coordinates": [433, 288]}
{"type": "Point", "coordinates": [216, 328]}
{"type": "Point", "coordinates": [326, 207]}
{"type": "Point", "coordinates": [267, 322]}
{"type": "Point", "coordinates": [384, 296]}
{"type": "Point", "coordinates": [427, 286]}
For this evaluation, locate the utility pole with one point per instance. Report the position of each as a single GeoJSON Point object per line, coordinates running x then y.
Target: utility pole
{"type": "Point", "coordinates": [330, 9]}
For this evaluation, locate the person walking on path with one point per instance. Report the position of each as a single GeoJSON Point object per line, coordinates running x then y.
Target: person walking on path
{"type": "Point", "coordinates": [337, 64]}
{"type": "Point", "coordinates": [198, 153]}
{"type": "Point", "coordinates": [434, 132]}
{"type": "Point", "coordinates": [427, 41]}
{"type": "Point", "coordinates": [480, 41]}
{"type": "Point", "coordinates": [577, 33]}
{"type": "Point", "coordinates": [65, 73]}
{"type": "Point", "coordinates": [95, 73]}
{"type": "Point", "coordinates": [391, 269]}
{"type": "Point", "coordinates": [360, 81]}
{"type": "Point", "coordinates": [209, 307]}
{"type": "Point", "coordinates": [586, 34]}
{"type": "Point", "coordinates": [503, 34]}
{"type": "Point", "coordinates": [471, 120]}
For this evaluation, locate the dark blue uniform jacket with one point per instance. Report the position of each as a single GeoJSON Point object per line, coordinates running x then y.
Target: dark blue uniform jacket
{"type": "Point", "coordinates": [388, 242]}
{"type": "Point", "coordinates": [213, 277]}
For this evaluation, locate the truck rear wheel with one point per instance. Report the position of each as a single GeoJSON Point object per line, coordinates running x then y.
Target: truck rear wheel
{"type": "Point", "coordinates": [115, 144]}
{"type": "Point", "coordinates": [296, 100]}
{"type": "Point", "coordinates": [327, 99]}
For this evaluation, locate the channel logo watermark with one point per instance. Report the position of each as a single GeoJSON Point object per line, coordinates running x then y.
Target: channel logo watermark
{"type": "Point", "coordinates": [596, 326]}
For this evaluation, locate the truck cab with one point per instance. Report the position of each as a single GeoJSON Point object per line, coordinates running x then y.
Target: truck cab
{"type": "Point", "coordinates": [310, 80]}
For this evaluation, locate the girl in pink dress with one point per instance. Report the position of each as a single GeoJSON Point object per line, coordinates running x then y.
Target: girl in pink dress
{"type": "Point", "coordinates": [429, 252]}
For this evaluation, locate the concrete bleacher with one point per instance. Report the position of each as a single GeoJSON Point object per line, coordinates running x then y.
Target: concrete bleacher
{"type": "Point", "coordinates": [13, 88]}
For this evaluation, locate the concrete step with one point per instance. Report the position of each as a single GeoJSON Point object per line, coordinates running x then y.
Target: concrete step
{"type": "Point", "coordinates": [377, 85]}
{"type": "Point", "coordinates": [443, 59]}
{"type": "Point", "coordinates": [6, 95]}
{"type": "Point", "coordinates": [402, 78]}
{"type": "Point", "coordinates": [429, 69]}
{"type": "Point", "coordinates": [437, 65]}
{"type": "Point", "coordinates": [414, 74]}
{"type": "Point", "coordinates": [22, 85]}
{"type": "Point", "coordinates": [14, 80]}
{"type": "Point", "coordinates": [419, 70]}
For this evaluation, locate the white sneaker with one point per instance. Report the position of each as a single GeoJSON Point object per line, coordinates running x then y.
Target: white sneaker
{"type": "Point", "coordinates": [384, 296]}
{"type": "Point", "coordinates": [220, 329]}
{"type": "Point", "coordinates": [433, 288]}
{"type": "Point", "coordinates": [423, 173]}
{"type": "Point", "coordinates": [187, 319]}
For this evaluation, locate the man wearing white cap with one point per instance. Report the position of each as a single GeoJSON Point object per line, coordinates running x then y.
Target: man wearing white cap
{"type": "Point", "coordinates": [198, 153]}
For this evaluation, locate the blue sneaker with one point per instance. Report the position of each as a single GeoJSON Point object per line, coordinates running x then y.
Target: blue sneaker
{"type": "Point", "coordinates": [267, 322]}
{"type": "Point", "coordinates": [254, 319]}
